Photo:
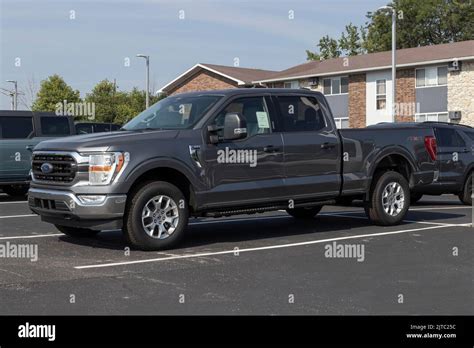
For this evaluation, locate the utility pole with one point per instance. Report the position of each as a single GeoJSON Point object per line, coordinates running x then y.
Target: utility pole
{"type": "Point", "coordinates": [147, 95]}
{"type": "Point", "coordinates": [394, 54]}
{"type": "Point", "coordinates": [14, 95]}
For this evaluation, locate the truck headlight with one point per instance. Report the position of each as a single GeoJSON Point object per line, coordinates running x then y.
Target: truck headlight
{"type": "Point", "coordinates": [106, 167]}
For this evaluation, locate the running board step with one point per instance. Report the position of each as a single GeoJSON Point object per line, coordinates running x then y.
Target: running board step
{"type": "Point", "coordinates": [260, 210]}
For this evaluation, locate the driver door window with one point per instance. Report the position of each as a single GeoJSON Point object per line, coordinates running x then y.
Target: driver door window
{"type": "Point", "coordinates": [253, 110]}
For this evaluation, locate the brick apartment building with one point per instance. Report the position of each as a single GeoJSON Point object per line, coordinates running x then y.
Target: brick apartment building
{"type": "Point", "coordinates": [433, 83]}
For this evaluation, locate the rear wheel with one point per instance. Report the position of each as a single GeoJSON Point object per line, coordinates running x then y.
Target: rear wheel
{"type": "Point", "coordinates": [16, 190]}
{"type": "Point", "coordinates": [304, 213]}
{"type": "Point", "coordinates": [415, 197]}
{"type": "Point", "coordinates": [76, 232]}
{"type": "Point", "coordinates": [389, 201]}
{"type": "Point", "coordinates": [156, 217]}
{"type": "Point", "coordinates": [465, 195]}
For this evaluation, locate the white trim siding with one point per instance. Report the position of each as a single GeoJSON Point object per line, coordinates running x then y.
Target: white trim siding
{"type": "Point", "coordinates": [432, 116]}
{"type": "Point", "coordinates": [341, 122]}
{"type": "Point", "coordinates": [345, 72]}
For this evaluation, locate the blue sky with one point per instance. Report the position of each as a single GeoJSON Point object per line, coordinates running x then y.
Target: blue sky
{"type": "Point", "coordinates": [95, 44]}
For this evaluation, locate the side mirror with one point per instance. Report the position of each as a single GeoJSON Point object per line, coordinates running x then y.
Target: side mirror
{"type": "Point", "coordinates": [235, 127]}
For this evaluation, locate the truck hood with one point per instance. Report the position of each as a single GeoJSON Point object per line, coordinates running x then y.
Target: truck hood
{"type": "Point", "coordinates": [104, 141]}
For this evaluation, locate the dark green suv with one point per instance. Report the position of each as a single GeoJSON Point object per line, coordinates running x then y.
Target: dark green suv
{"type": "Point", "coordinates": [20, 132]}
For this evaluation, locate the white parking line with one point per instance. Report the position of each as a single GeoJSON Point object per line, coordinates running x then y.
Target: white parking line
{"type": "Point", "coordinates": [33, 236]}
{"type": "Point", "coordinates": [13, 202]}
{"type": "Point", "coordinates": [411, 221]}
{"type": "Point", "coordinates": [269, 247]}
{"type": "Point", "coordinates": [218, 221]}
{"type": "Point", "coordinates": [263, 217]}
{"type": "Point", "coordinates": [441, 208]}
{"type": "Point", "coordinates": [17, 216]}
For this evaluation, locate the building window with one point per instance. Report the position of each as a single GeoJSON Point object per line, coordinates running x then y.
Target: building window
{"type": "Point", "coordinates": [432, 76]}
{"type": "Point", "coordinates": [341, 122]}
{"type": "Point", "coordinates": [291, 84]}
{"type": "Point", "coordinates": [336, 85]}
{"type": "Point", "coordinates": [432, 116]}
{"type": "Point", "coordinates": [381, 95]}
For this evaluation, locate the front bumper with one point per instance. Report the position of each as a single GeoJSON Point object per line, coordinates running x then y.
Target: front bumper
{"type": "Point", "coordinates": [64, 208]}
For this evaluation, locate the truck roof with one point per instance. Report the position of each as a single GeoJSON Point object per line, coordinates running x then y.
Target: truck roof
{"type": "Point", "coordinates": [417, 124]}
{"type": "Point", "coordinates": [19, 113]}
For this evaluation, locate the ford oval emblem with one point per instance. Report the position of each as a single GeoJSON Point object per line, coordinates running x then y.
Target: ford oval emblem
{"type": "Point", "coordinates": [47, 168]}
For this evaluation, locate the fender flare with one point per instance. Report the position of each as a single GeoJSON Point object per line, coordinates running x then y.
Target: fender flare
{"type": "Point", "coordinates": [161, 162]}
{"type": "Point", "coordinates": [388, 151]}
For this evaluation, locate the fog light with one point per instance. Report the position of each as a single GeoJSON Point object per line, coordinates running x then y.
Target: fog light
{"type": "Point", "coordinates": [91, 199]}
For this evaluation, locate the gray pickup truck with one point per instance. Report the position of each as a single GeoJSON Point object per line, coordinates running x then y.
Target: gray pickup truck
{"type": "Point", "coordinates": [20, 132]}
{"type": "Point", "coordinates": [220, 153]}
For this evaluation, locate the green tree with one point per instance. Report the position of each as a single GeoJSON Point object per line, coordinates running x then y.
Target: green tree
{"type": "Point", "coordinates": [328, 48]}
{"type": "Point", "coordinates": [52, 91]}
{"type": "Point", "coordinates": [350, 41]}
{"type": "Point", "coordinates": [419, 23]}
{"type": "Point", "coordinates": [116, 106]}
{"type": "Point", "coordinates": [106, 98]}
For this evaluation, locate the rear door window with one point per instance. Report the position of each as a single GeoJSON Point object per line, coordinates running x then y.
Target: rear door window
{"type": "Point", "coordinates": [83, 128]}
{"type": "Point", "coordinates": [101, 127]}
{"type": "Point", "coordinates": [54, 126]}
{"type": "Point", "coordinates": [300, 114]}
{"type": "Point", "coordinates": [16, 127]}
{"type": "Point", "coordinates": [447, 137]}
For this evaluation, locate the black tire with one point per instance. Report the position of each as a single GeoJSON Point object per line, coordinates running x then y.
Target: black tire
{"type": "Point", "coordinates": [415, 197]}
{"type": "Point", "coordinates": [134, 231]}
{"type": "Point", "coordinates": [16, 190]}
{"type": "Point", "coordinates": [304, 213]}
{"type": "Point", "coordinates": [465, 195]}
{"type": "Point", "coordinates": [375, 209]}
{"type": "Point", "coordinates": [76, 232]}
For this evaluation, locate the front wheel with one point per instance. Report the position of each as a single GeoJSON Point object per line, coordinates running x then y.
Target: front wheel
{"type": "Point", "coordinates": [304, 213]}
{"type": "Point", "coordinates": [156, 216]}
{"type": "Point", "coordinates": [390, 199]}
{"type": "Point", "coordinates": [76, 232]}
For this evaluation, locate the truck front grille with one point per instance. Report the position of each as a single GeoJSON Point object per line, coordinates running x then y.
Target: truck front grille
{"type": "Point", "coordinates": [61, 169]}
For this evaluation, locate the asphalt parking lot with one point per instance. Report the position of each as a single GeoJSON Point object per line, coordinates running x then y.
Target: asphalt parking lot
{"type": "Point", "coordinates": [257, 264]}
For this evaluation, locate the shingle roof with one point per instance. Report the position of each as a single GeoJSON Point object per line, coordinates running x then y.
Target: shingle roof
{"type": "Point", "coordinates": [364, 62]}
{"type": "Point", "coordinates": [246, 75]}
{"type": "Point", "coordinates": [239, 75]}
{"type": "Point", "coordinates": [407, 56]}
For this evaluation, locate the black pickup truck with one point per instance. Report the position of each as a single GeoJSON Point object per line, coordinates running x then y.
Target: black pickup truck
{"type": "Point", "coordinates": [220, 153]}
{"type": "Point", "coordinates": [455, 160]}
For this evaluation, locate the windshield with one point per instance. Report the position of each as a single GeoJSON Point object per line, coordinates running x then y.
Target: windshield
{"type": "Point", "coordinates": [173, 113]}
